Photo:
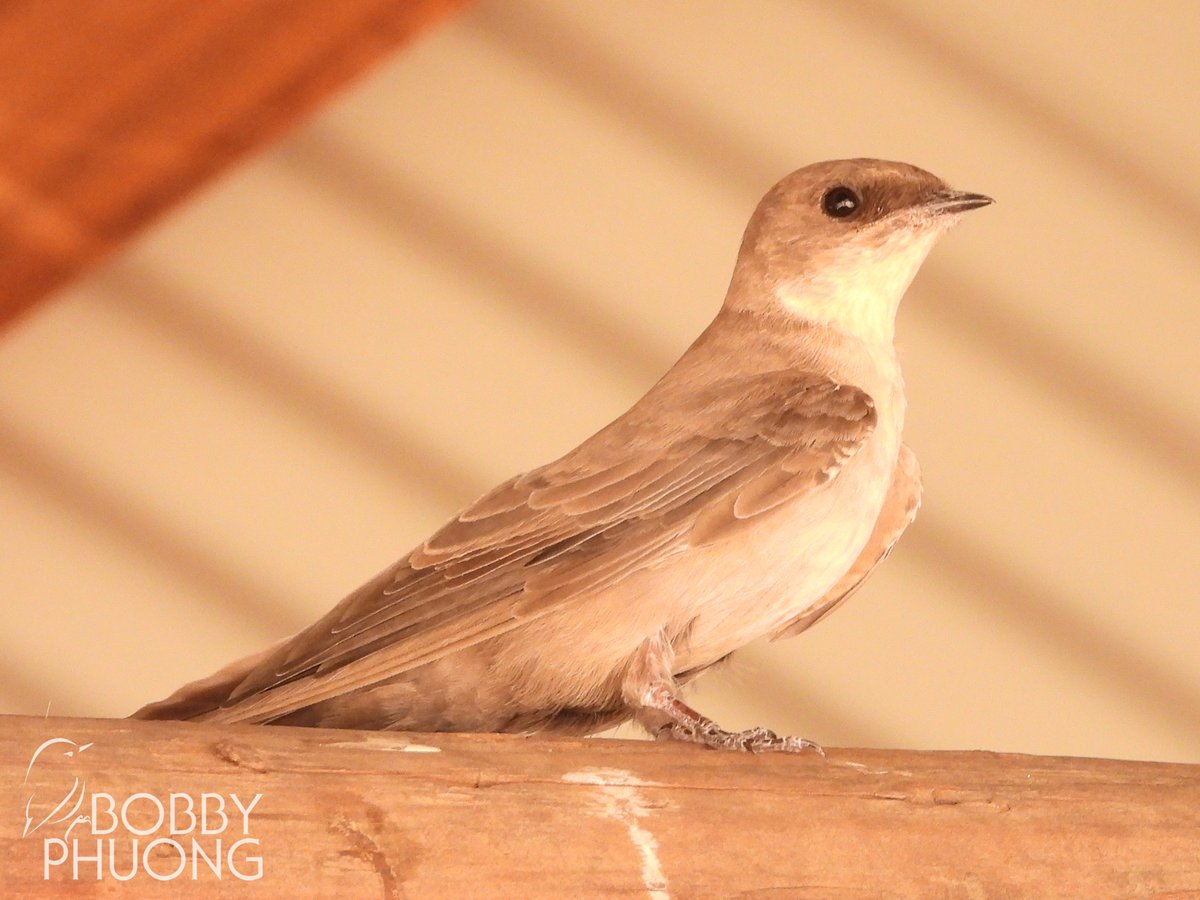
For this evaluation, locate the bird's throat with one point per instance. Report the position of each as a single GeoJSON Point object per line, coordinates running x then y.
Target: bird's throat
{"type": "Point", "coordinates": [858, 290]}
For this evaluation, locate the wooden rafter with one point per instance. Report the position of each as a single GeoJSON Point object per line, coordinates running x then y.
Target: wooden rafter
{"type": "Point", "coordinates": [358, 814]}
{"type": "Point", "coordinates": [110, 112]}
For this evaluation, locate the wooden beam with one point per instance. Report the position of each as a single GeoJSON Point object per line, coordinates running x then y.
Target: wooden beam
{"type": "Point", "coordinates": [355, 814]}
{"type": "Point", "coordinates": [113, 110]}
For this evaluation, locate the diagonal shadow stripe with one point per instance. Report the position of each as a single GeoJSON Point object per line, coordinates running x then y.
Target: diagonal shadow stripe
{"type": "Point", "coordinates": [409, 214]}
{"type": "Point", "coordinates": [558, 49]}
{"type": "Point", "coordinates": [175, 315]}
{"type": "Point", "coordinates": [1141, 419]}
{"type": "Point", "coordinates": [39, 465]}
{"type": "Point", "coordinates": [560, 53]}
{"type": "Point", "coordinates": [1102, 655]}
{"type": "Point", "coordinates": [1140, 180]}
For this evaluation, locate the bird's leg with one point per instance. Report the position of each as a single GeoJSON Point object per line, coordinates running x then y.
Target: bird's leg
{"type": "Point", "coordinates": [685, 724]}
{"type": "Point", "coordinates": [649, 687]}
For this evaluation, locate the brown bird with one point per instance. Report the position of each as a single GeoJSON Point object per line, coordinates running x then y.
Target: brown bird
{"type": "Point", "coordinates": [748, 493]}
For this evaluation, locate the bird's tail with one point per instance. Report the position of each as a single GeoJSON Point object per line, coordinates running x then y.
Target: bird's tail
{"type": "Point", "coordinates": [195, 699]}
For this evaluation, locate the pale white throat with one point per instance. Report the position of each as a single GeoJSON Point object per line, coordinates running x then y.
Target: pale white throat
{"type": "Point", "coordinates": [859, 288]}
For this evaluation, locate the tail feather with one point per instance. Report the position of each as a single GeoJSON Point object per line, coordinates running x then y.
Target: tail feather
{"type": "Point", "coordinates": [196, 698]}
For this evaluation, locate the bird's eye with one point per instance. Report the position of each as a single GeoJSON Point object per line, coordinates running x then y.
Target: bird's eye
{"type": "Point", "coordinates": [840, 202]}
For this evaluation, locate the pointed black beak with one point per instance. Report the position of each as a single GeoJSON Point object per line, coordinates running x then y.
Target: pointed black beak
{"type": "Point", "coordinates": [946, 202]}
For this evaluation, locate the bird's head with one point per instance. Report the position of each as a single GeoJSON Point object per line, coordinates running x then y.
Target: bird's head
{"type": "Point", "coordinates": [839, 242]}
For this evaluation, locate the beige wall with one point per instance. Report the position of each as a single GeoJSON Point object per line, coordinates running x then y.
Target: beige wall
{"type": "Point", "coordinates": [489, 248]}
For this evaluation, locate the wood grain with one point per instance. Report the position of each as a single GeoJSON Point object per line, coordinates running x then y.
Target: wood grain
{"type": "Point", "coordinates": [110, 112]}
{"type": "Point", "coordinates": [354, 814]}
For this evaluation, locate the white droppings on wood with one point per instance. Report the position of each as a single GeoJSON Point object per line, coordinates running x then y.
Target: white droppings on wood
{"type": "Point", "coordinates": [870, 771]}
{"type": "Point", "coordinates": [386, 744]}
{"type": "Point", "coordinates": [624, 803]}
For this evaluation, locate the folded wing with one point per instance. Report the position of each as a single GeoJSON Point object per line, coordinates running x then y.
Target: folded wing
{"type": "Point", "coordinates": [654, 483]}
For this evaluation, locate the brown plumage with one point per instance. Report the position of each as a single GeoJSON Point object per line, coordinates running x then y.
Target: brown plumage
{"type": "Point", "coordinates": [749, 492]}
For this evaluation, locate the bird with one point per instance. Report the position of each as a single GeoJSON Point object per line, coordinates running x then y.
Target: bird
{"type": "Point", "coordinates": [748, 493]}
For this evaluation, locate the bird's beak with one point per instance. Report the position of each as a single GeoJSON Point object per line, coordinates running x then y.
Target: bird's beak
{"type": "Point", "coordinates": [947, 202]}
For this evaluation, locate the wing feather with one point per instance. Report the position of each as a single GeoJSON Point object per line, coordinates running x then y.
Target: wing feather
{"type": "Point", "coordinates": [643, 490]}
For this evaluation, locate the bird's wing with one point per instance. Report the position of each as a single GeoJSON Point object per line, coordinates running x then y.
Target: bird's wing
{"type": "Point", "coordinates": [899, 509]}
{"type": "Point", "coordinates": [645, 488]}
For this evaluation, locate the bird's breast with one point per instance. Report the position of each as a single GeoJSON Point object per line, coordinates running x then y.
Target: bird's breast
{"type": "Point", "coordinates": [737, 590]}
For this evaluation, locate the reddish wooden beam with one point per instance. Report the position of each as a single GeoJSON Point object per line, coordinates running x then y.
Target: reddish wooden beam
{"type": "Point", "coordinates": [110, 112]}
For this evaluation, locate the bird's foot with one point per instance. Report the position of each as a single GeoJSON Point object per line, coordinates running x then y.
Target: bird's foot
{"type": "Point", "coordinates": [685, 724]}
{"type": "Point", "coordinates": [752, 740]}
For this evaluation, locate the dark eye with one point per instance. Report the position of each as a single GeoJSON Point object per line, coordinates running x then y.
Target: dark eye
{"type": "Point", "coordinates": [840, 202]}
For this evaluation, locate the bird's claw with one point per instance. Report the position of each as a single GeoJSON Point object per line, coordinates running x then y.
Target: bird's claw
{"type": "Point", "coordinates": [752, 740]}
